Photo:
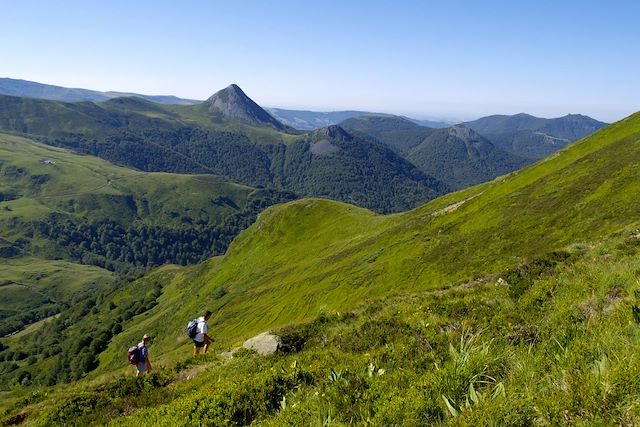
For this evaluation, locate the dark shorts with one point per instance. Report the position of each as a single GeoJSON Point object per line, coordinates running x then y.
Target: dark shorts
{"type": "Point", "coordinates": [198, 344]}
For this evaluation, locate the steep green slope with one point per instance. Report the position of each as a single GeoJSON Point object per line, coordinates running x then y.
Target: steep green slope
{"type": "Point", "coordinates": [555, 345]}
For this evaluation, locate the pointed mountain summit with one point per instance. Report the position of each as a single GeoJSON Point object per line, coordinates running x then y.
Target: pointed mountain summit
{"type": "Point", "coordinates": [234, 104]}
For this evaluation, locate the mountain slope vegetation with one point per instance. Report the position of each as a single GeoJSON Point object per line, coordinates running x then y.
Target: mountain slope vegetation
{"type": "Point", "coordinates": [309, 254]}
{"type": "Point", "coordinates": [270, 280]}
{"type": "Point", "coordinates": [397, 319]}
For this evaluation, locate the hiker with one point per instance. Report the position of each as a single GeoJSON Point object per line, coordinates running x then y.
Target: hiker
{"type": "Point", "coordinates": [202, 340]}
{"type": "Point", "coordinates": [144, 363]}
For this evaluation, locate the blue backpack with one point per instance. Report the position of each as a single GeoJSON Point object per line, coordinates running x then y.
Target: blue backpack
{"type": "Point", "coordinates": [192, 329]}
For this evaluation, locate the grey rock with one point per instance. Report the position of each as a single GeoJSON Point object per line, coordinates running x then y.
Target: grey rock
{"type": "Point", "coordinates": [264, 344]}
{"type": "Point", "coordinates": [502, 282]}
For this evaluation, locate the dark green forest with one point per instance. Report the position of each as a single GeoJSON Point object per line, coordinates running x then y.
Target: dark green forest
{"type": "Point", "coordinates": [362, 172]}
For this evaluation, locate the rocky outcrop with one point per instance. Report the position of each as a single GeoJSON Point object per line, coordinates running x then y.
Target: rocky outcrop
{"type": "Point", "coordinates": [264, 344]}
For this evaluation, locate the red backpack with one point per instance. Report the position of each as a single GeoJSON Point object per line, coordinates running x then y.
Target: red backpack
{"type": "Point", "coordinates": [134, 355]}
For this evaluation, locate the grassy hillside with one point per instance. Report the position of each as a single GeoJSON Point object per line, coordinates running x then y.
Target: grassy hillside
{"type": "Point", "coordinates": [554, 344]}
{"type": "Point", "coordinates": [432, 338]}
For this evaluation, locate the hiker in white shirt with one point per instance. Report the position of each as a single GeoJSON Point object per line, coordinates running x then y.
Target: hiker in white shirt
{"type": "Point", "coordinates": [202, 340]}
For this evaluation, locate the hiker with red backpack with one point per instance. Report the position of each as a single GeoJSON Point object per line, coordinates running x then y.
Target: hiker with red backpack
{"type": "Point", "coordinates": [139, 356]}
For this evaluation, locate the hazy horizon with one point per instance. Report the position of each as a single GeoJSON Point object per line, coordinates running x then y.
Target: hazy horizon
{"type": "Point", "coordinates": [437, 61]}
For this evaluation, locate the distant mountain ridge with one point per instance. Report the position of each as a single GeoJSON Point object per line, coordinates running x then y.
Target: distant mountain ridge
{"type": "Point", "coordinates": [24, 88]}
{"type": "Point", "coordinates": [311, 120]}
{"type": "Point", "coordinates": [397, 132]}
{"type": "Point", "coordinates": [571, 126]}
{"type": "Point", "coordinates": [231, 135]}
{"type": "Point", "coordinates": [534, 137]}
{"type": "Point", "coordinates": [457, 156]}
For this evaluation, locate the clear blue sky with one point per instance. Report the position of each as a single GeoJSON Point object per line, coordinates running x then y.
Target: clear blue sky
{"type": "Point", "coordinates": [457, 59]}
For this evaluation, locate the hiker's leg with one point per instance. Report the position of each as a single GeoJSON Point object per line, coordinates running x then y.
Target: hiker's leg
{"type": "Point", "coordinates": [197, 347]}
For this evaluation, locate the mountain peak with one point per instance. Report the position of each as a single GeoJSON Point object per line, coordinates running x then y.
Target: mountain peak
{"type": "Point", "coordinates": [234, 104]}
{"type": "Point", "coordinates": [334, 132]}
